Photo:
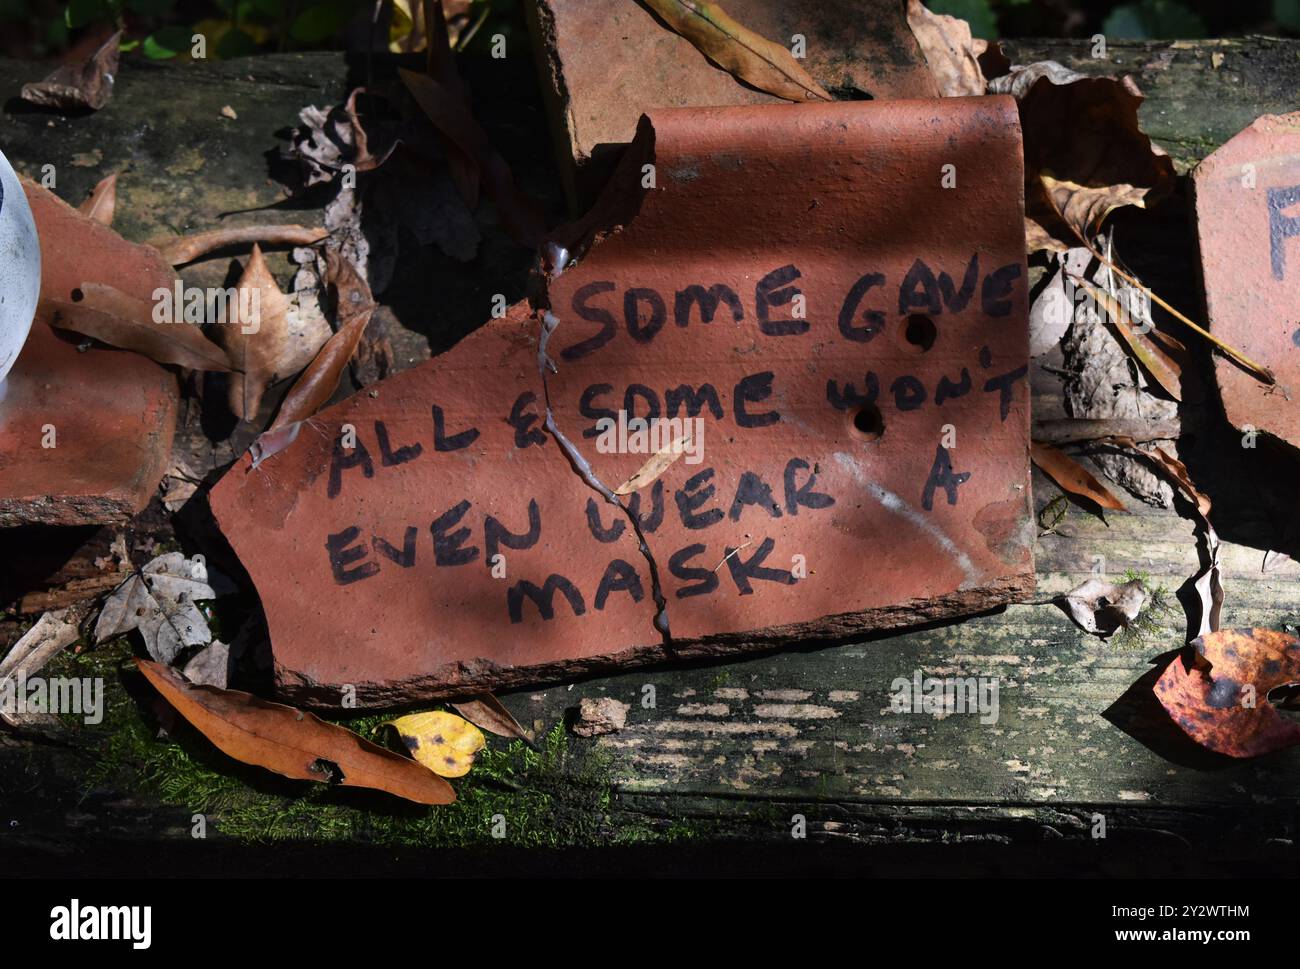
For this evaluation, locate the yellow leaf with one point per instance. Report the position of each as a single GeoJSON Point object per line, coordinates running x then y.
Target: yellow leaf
{"type": "Point", "coordinates": [441, 741]}
{"type": "Point", "coordinates": [406, 21]}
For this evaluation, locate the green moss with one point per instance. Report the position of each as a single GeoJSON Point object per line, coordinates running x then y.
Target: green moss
{"type": "Point", "coordinates": [1153, 623]}
{"type": "Point", "coordinates": [561, 794]}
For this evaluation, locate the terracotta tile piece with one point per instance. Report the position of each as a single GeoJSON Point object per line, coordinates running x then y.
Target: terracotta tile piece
{"type": "Point", "coordinates": [109, 414]}
{"type": "Point", "coordinates": [605, 64]}
{"type": "Point", "coordinates": [864, 460]}
{"type": "Point", "coordinates": [1248, 221]}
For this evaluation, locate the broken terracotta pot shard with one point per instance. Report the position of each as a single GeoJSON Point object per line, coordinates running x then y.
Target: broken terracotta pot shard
{"type": "Point", "coordinates": [85, 437]}
{"type": "Point", "coordinates": [1248, 223]}
{"type": "Point", "coordinates": [836, 342]}
{"type": "Point", "coordinates": [842, 343]}
{"type": "Point", "coordinates": [603, 65]}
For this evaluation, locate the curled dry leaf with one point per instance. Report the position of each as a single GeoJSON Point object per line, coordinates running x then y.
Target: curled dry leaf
{"type": "Point", "coordinates": [1220, 699]}
{"type": "Point", "coordinates": [318, 382]}
{"type": "Point", "coordinates": [161, 601]}
{"type": "Point", "coordinates": [1209, 582]}
{"type": "Point", "coordinates": [210, 666]}
{"type": "Point", "coordinates": [113, 317]}
{"type": "Point", "coordinates": [1101, 608]}
{"type": "Point", "coordinates": [738, 50]}
{"type": "Point", "coordinates": [1072, 476]}
{"type": "Point", "coordinates": [364, 160]}
{"type": "Point", "coordinates": [102, 201]}
{"type": "Point", "coordinates": [1038, 239]}
{"type": "Point", "coordinates": [185, 249]}
{"type": "Point", "coordinates": [489, 713]}
{"type": "Point", "coordinates": [255, 337]}
{"type": "Point", "coordinates": [441, 741]}
{"type": "Point", "coordinates": [520, 216]}
{"type": "Point", "coordinates": [950, 51]}
{"type": "Point", "coordinates": [1160, 355]}
{"type": "Point", "coordinates": [1051, 213]}
{"type": "Point", "coordinates": [292, 742]}
{"type": "Point", "coordinates": [1081, 209]}
{"type": "Point", "coordinates": [1084, 128]}
{"type": "Point", "coordinates": [1081, 130]}
{"type": "Point", "coordinates": [79, 86]}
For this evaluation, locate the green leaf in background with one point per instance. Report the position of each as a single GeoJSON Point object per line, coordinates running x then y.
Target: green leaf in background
{"type": "Point", "coordinates": [150, 8]}
{"type": "Point", "coordinates": [82, 12]}
{"type": "Point", "coordinates": [13, 10]}
{"type": "Point", "coordinates": [1287, 13]}
{"type": "Point", "coordinates": [235, 43]}
{"type": "Point", "coordinates": [1153, 19]}
{"type": "Point", "coordinates": [983, 22]}
{"type": "Point", "coordinates": [56, 34]}
{"type": "Point", "coordinates": [316, 24]}
{"type": "Point", "coordinates": [167, 42]}
{"type": "Point", "coordinates": [268, 8]}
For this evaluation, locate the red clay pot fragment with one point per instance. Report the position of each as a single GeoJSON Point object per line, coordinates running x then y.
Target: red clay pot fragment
{"type": "Point", "coordinates": [603, 65]}
{"type": "Point", "coordinates": [878, 440]}
{"type": "Point", "coordinates": [1248, 221]}
{"type": "Point", "coordinates": [85, 437]}
{"type": "Point", "coordinates": [864, 408]}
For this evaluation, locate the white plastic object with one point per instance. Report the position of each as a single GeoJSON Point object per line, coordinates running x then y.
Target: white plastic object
{"type": "Point", "coordinates": [20, 269]}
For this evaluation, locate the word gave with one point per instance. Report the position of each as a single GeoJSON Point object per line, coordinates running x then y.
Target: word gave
{"type": "Point", "coordinates": [645, 311]}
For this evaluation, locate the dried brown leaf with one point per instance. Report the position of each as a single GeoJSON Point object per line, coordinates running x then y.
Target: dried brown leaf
{"type": "Point", "coordinates": [1220, 699]}
{"type": "Point", "coordinates": [950, 51]}
{"type": "Point", "coordinates": [111, 316]}
{"type": "Point", "coordinates": [1209, 582]}
{"type": "Point", "coordinates": [488, 713]}
{"type": "Point", "coordinates": [161, 602]}
{"type": "Point", "coordinates": [321, 378]}
{"type": "Point", "coordinates": [364, 160]}
{"type": "Point", "coordinates": [1039, 239]}
{"type": "Point", "coordinates": [738, 50]}
{"type": "Point", "coordinates": [102, 201]}
{"type": "Point", "coordinates": [1084, 128]}
{"type": "Point", "coordinates": [185, 249]}
{"type": "Point", "coordinates": [1072, 476]}
{"type": "Point", "coordinates": [520, 216]}
{"type": "Point", "coordinates": [292, 742]}
{"type": "Point", "coordinates": [1081, 129]}
{"type": "Point", "coordinates": [257, 346]}
{"type": "Point", "coordinates": [1079, 210]}
{"type": "Point", "coordinates": [1055, 216]}
{"type": "Point", "coordinates": [79, 86]}
{"type": "Point", "coordinates": [1155, 355]}
{"type": "Point", "coordinates": [1101, 608]}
